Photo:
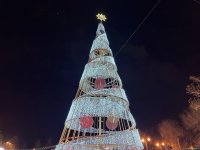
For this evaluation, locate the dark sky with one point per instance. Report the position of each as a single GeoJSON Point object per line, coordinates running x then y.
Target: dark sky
{"type": "Point", "coordinates": [44, 46]}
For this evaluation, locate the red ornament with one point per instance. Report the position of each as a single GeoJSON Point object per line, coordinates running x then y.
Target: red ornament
{"type": "Point", "coordinates": [111, 125]}
{"type": "Point", "coordinates": [99, 83]}
{"type": "Point", "coordinates": [86, 121]}
{"type": "Point", "coordinates": [113, 119]}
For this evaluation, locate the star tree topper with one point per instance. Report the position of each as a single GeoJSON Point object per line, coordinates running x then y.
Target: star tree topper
{"type": "Point", "coordinates": [101, 17]}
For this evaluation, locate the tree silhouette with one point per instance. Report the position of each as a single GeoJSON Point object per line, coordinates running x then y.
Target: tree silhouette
{"type": "Point", "coordinates": [193, 90]}
{"type": "Point", "coordinates": [171, 132]}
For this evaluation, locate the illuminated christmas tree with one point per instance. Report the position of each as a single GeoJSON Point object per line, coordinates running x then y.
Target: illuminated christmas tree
{"type": "Point", "coordinates": [99, 117]}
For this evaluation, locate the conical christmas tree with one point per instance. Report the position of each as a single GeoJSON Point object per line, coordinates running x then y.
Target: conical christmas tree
{"type": "Point", "coordinates": [99, 117]}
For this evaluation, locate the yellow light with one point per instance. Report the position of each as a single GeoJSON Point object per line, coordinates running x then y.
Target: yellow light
{"type": "Point", "coordinates": [101, 17]}
{"type": "Point", "coordinates": [157, 144]}
{"type": "Point", "coordinates": [8, 143]}
{"type": "Point", "coordinates": [163, 144]}
{"type": "Point", "coordinates": [148, 139]}
{"type": "Point", "coordinates": [143, 140]}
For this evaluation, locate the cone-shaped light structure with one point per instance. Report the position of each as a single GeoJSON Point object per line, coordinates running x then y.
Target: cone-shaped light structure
{"type": "Point", "coordinates": [99, 117]}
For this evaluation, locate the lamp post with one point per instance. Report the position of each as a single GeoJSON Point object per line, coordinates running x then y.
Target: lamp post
{"type": "Point", "coordinates": [160, 145]}
{"type": "Point", "coordinates": [9, 145]}
{"type": "Point", "coordinates": [145, 141]}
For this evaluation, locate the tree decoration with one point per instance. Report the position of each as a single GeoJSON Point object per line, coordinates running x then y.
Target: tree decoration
{"type": "Point", "coordinates": [113, 119]}
{"type": "Point", "coordinates": [111, 125]}
{"type": "Point", "coordinates": [112, 122]}
{"type": "Point", "coordinates": [86, 121]}
{"type": "Point", "coordinates": [101, 17]}
{"type": "Point", "coordinates": [99, 83]}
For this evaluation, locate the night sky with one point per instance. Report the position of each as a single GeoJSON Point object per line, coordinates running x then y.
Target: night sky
{"type": "Point", "coordinates": [44, 46]}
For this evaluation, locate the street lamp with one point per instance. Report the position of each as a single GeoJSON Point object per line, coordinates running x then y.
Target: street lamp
{"type": "Point", "coordinates": [145, 141]}
{"type": "Point", "coordinates": [148, 139]}
{"type": "Point", "coordinates": [192, 148]}
{"type": "Point", "coordinates": [157, 144]}
{"type": "Point", "coordinates": [9, 145]}
{"type": "Point", "coordinates": [160, 145]}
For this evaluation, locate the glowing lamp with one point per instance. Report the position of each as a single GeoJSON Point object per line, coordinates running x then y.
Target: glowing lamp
{"type": "Point", "coordinates": [157, 144]}
{"type": "Point", "coordinates": [148, 139]}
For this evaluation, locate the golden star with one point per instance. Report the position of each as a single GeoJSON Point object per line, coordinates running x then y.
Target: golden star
{"type": "Point", "coordinates": [101, 17]}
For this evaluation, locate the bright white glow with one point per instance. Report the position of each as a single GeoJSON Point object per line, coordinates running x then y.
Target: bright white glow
{"type": "Point", "coordinates": [106, 102]}
{"type": "Point", "coordinates": [1, 148]}
{"type": "Point", "coordinates": [157, 144]}
{"type": "Point", "coordinates": [148, 139]}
